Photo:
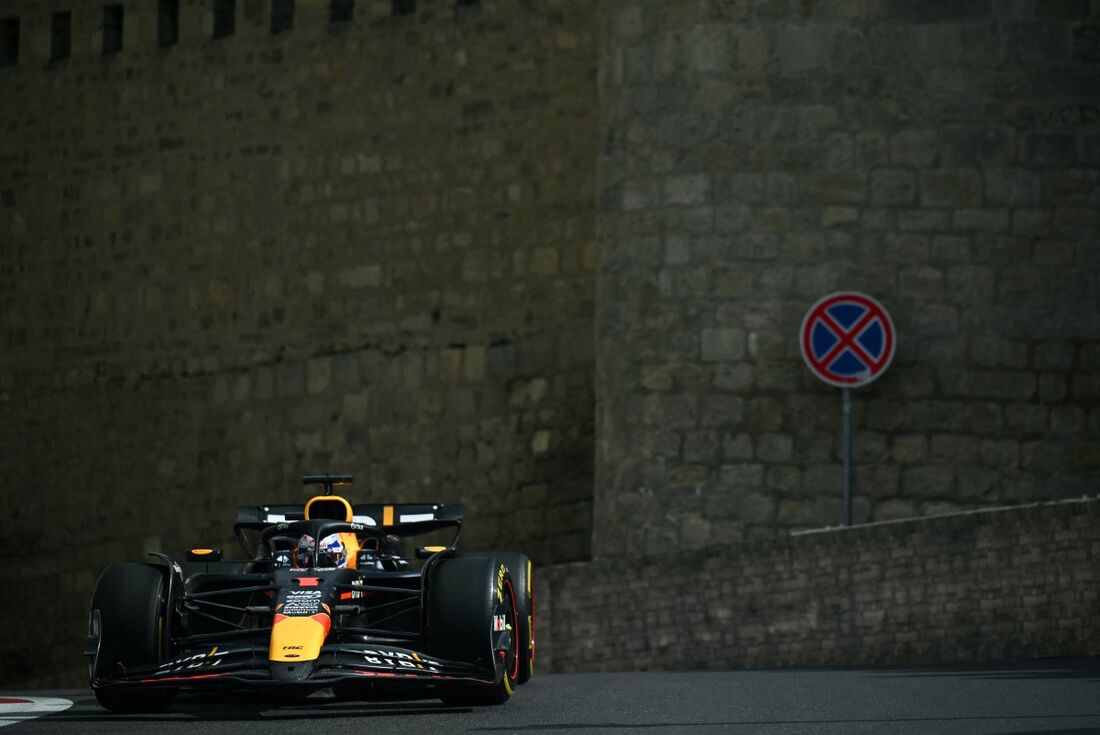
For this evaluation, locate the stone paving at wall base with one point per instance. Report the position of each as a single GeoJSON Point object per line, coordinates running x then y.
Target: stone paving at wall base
{"type": "Point", "coordinates": [996, 584]}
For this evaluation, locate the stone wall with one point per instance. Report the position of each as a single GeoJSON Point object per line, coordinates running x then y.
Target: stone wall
{"type": "Point", "coordinates": [365, 247]}
{"type": "Point", "coordinates": [940, 156]}
{"type": "Point", "coordinates": [382, 246]}
{"type": "Point", "coordinates": [983, 585]}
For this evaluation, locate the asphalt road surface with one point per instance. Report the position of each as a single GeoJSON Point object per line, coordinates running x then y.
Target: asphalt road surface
{"type": "Point", "coordinates": [1046, 696]}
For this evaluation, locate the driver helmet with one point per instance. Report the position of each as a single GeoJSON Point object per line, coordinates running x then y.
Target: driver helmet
{"type": "Point", "coordinates": [330, 552]}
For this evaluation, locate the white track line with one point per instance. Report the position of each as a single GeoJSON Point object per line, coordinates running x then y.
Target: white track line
{"type": "Point", "coordinates": [15, 709]}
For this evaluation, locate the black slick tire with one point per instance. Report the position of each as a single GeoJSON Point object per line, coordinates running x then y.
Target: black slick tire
{"type": "Point", "coordinates": [472, 617]}
{"type": "Point", "coordinates": [130, 600]}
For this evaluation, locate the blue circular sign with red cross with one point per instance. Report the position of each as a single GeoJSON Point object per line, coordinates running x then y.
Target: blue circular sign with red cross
{"type": "Point", "coordinates": [847, 339]}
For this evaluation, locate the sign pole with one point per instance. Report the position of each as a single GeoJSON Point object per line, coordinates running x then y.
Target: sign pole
{"type": "Point", "coordinates": [847, 456]}
{"type": "Point", "coordinates": [847, 340]}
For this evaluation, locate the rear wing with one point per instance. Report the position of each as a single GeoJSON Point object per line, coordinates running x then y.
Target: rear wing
{"type": "Point", "coordinates": [388, 516]}
{"type": "Point", "coordinates": [400, 519]}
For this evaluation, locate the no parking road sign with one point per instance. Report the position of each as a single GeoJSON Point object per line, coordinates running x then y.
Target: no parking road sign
{"type": "Point", "coordinates": [847, 339]}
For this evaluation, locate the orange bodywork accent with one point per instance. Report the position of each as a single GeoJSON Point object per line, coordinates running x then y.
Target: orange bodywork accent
{"type": "Point", "coordinates": [351, 549]}
{"type": "Point", "coordinates": [348, 514]}
{"type": "Point", "coordinates": [387, 515]}
{"type": "Point", "coordinates": [298, 638]}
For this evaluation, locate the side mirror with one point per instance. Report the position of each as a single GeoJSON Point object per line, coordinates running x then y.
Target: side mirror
{"type": "Point", "coordinates": [425, 552]}
{"type": "Point", "coordinates": [204, 555]}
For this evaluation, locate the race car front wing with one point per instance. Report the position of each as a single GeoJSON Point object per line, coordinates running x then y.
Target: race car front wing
{"type": "Point", "coordinates": [248, 666]}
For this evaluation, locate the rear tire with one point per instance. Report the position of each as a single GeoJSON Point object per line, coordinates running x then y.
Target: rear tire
{"type": "Point", "coordinates": [519, 566]}
{"type": "Point", "coordinates": [131, 602]}
{"type": "Point", "coordinates": [469, 598]}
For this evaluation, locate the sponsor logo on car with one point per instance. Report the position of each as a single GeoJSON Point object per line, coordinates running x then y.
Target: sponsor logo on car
{"type": "Point", "coordinates": [385, 658]}
{"type": "Point", "coordinates": [302, 602]}
{"type": "Point", "coordinates": [195, 661]}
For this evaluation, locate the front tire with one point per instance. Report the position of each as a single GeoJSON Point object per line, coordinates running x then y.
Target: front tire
{"type": "Point", "coordinates": [473, 617]}
{"type": "Point", "coordinates": [131, 602]}
{"type": "Point", "coordinates": [519, 566]}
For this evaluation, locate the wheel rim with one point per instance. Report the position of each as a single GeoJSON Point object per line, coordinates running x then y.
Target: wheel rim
{"type": "Point", "coordinates": [507, 611]}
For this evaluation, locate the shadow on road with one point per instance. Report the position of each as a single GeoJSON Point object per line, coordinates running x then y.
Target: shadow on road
{"type": "Point", "coordinates": [1084, 669]}
{"type": "Point", "coordinates": [1074, 731]}
{"type": "Point", "coordinates": [885, 722]}
{"type": "Point", "coordinates": [222, 707]}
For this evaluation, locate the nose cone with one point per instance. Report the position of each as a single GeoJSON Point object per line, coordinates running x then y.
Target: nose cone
{"type": "Point", "coordinates": [298, 639]}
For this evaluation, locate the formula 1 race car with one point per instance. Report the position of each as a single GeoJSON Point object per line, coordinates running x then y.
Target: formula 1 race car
{"type": "Point", "coordinates": [327, 598]}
